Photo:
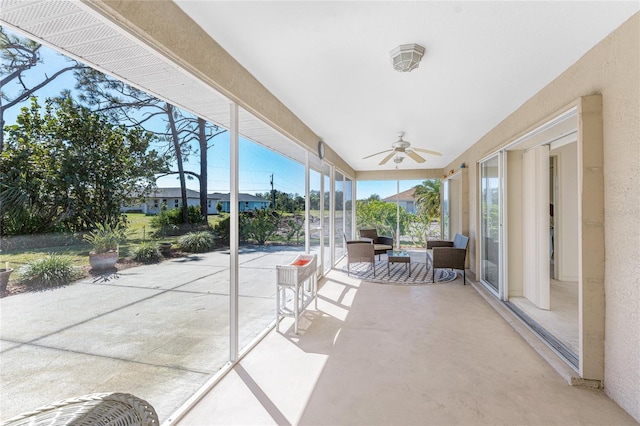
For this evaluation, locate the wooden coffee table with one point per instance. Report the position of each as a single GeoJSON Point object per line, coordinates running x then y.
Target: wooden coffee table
{"type": "Point", "coordinates": [397, 256]}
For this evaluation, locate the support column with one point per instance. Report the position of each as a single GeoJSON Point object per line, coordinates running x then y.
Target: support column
{"type": "Point", "coordinates": [234, 235]}
{"type": "Point", "coordinates": [307, 205]}
{"type": "Point", "coordinates": [591, 296]}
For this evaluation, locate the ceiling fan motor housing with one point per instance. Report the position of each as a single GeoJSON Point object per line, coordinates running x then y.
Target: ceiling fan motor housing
{"type": "Point", "coordinates": [401, 145]}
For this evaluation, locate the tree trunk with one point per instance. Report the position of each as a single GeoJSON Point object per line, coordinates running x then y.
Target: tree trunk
{"type": "Point", "coordinates": [1, 127]}
{"type": "Point", "coordinates": [177, 148]}
{"type": "Point", "coordinates": [202, 140]}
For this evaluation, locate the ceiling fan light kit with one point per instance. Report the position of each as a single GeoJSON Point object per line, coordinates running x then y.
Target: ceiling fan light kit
{"type": "Point", "coordinates": [406, 57]}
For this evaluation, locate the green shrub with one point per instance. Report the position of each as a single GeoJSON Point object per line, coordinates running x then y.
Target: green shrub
{"type": "Point", "coordinates": [168, 220]}
{"type": "Point", "coordinates": [195, 215]}
{"type": "Point", "coordinates": [244, 225]}
{"type": "Point", "coordinates": [262, 225]}
{"type": "Point", "coordinates": [50, 271]}
{"type": "Point", "coordinates": [147, 253]}
{"type": "Point", "coordinates": [294, 228]}
{"type": "Point", "coordinates": [197, 242]}
{"type": "Point", "coordinates": [221, 228]}
{"type": "Point", "coordinates": [168, 217]}
{"type": "Point", "coordinates": [259, 225]}
{"type": "Point", "coordinates": [222, 231]}
{"type": "Point", "coordinates": [163, 221]}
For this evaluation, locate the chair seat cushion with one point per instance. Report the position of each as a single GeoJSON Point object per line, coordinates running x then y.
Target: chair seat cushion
{"type": "Point", "coordinates": [382, 247]}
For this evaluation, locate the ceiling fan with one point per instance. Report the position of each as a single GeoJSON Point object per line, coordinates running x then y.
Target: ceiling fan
{"type": "Point", "coordinates": [403, 147]}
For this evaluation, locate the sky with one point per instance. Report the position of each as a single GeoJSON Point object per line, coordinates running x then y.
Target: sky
{"type": "Point", "coordinates": [257, 164]}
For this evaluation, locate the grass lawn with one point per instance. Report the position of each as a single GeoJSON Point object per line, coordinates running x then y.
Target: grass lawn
{"type": "Point", "coordinates": [138, 230]}
{"type": "Point", "coordinates": [138, 226]}
{"type": "Point", "coordinates": [79, 253]}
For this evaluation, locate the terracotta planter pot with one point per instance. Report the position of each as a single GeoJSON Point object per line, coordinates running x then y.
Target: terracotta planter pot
{"type": "Point", "coordinates": [4, 278]}
{"type": "Point", "coordinates": [103, 261]}
{"type": "Point", "coordinates": [165, 248]}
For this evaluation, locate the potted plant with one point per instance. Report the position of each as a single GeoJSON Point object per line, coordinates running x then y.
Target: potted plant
{"type": "Point", "coordinates": [165, 248]}
{"type": "Point", "coordinates": [4, 276]}
{"type": "Point", "coordinates": [105, 240]}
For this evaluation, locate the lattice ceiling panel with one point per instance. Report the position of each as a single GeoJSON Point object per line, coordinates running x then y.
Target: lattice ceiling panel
{"type": "Point", "coordinates": [256, 130]}
{"type": "Point", "coordinates": [76, 31]}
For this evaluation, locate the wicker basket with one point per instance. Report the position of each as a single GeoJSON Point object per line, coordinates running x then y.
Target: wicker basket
{"type": "Point", "coordinates": [99, 409]}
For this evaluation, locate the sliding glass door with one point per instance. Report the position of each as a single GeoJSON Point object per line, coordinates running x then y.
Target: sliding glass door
{"type": "Point", "coordinates": [348, 208]}
{"type": "Point", "coordinates": [315, 215]}
{"type": "Point", "coordinates": [446, 213]}
{"type": "Point", "coordinates": [491, 222]}
{"type": "Point", "coordinates": [338, 218]}
{"type": "Point", "coordinates": [326, 217]}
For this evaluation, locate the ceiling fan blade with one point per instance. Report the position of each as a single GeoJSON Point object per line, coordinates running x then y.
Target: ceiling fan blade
{"type": "Point", "coordinates": [387, 158]}
{"type": "Point", "coordinates": [436, 153]}
{"type": "Point", "coordinates": [416, 157]}
{"type": "Point", "coordinates": [377, 153]}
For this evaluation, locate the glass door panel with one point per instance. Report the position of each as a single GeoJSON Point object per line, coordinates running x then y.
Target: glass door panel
{"type": "Point", "coordinates": [338, 218]}
{"type": "Point", "coordinates": [391, 207]}
{"type": "Point", "coordinates": [348, 208]}
{"type": "Point", "coordinates": [446, 213]}
{"type": "Point", "coordinates": [490, 222]}
{"type": "Point", "coordinates": [326, 219]}
{"type": "Point", "coordinates": [315, 217]}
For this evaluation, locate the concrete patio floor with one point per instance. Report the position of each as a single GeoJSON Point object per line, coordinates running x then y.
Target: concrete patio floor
{"type": "Point", "coordinates": [371, 354]}
{"type": "Point", "coordinates": [156, 331]}
{"type": "Point", "coordinates": [377, 354]}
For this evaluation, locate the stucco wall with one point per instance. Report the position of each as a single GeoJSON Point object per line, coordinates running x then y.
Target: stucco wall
{"type": "Point", "coordinates": [612, 68]}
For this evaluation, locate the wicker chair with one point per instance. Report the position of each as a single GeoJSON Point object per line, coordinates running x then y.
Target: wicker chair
{"type": "Point", "coordinates": [360, 251]}
{"type": "Point", "coordinates": [99, 409]}
{"type": "Point", "coordinates": [381, 244]}
{"type": "Point", "coordinates": [448, 254]}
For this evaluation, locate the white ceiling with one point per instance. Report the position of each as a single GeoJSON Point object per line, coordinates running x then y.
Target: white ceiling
{"type": "Point", "coordinates": [329, 63]}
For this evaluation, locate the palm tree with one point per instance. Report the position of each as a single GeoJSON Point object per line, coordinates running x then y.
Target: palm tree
{"type": "Point", "coordinates": [427, 196]}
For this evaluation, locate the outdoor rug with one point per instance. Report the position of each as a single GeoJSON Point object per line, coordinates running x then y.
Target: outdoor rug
{"type": "Point", "coordinates": [398, 274]}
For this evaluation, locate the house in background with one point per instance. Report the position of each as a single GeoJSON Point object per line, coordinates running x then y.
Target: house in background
{"type": "Point", "coordinates": [406, 200]}
{"type": "Point", "coordinates": [247, 202]}
{"type": "Point", "coordinates": [171, 197]}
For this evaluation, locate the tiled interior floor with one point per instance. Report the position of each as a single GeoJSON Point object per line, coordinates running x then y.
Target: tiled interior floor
{"type": "Point", "coordinates": [398, 355]}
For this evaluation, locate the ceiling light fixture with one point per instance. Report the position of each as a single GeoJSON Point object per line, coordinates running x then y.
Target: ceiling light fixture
{"type": "Point", "coordinates": [406, 57]}
{"type": "Point", "coordinates": [397, 159]}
